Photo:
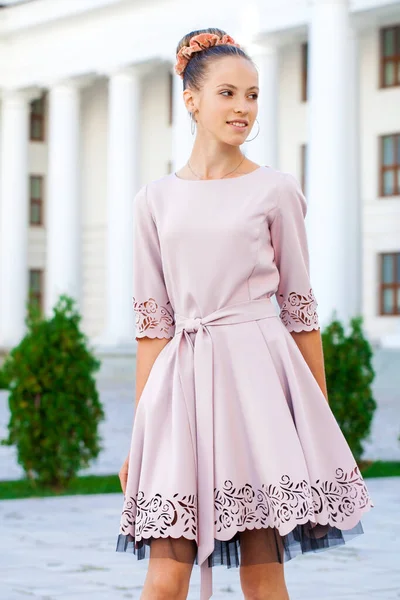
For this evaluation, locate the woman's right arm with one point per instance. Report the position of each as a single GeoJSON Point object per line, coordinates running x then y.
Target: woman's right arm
{"type": "Point", "coordinates": [147, 351]}
{"type": "Point", "coordinates": [154, 315]}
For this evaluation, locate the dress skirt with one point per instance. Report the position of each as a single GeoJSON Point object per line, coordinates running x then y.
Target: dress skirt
{"type": "Point", "coordinates": [270, 453]}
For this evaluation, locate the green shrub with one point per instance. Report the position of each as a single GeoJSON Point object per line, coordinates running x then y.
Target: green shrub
{"type": "Point", "coordinates": [3, 381]}
{"type": "Point", "coordinates": [349, 375]}
{"type": "Point", "coordinates": [54, 404]}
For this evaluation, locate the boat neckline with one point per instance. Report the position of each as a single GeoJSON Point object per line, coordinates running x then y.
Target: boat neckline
{"type": "Point", "coordinates": [220, 178]}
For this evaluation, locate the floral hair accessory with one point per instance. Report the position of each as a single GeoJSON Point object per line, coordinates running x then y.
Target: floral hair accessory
{"type": "Point", "coordinates": [200, 42]}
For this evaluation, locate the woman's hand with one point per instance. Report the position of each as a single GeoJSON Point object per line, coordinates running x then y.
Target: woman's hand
{"type": "Point", "coordinates": [123, 474]}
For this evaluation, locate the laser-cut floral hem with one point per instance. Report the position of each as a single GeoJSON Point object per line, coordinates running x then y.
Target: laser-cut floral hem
{"type": "Point", "coordinates": [239, 508]}
{"type": "Point", "coordinates": [299, 312]}
{"type": "Point", "coordinates": [153, 320]}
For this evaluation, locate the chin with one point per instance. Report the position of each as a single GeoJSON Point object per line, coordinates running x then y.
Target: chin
{"type": "Point", "coordinates": [232, 142]}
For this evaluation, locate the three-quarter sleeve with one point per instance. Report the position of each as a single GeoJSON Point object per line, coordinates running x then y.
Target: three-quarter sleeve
{"type": "Point", "coordinates": [295, 296]}
{"type": "Point", "coordinates": [153, 312]}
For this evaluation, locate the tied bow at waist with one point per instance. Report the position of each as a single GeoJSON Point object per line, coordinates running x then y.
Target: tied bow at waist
{"type": "Point", "coordinates": [195, 365]}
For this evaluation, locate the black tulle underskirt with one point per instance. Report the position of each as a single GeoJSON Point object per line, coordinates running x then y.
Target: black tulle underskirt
{"type": "Point", "coordinates": [301, 540]}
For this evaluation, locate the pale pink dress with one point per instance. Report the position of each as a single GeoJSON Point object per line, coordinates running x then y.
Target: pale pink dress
{"type": "Point", "coordinates": [232, 430]}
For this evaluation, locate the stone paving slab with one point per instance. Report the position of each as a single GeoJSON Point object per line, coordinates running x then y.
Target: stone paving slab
{"type": "Point", "coordinates": [64, 549]}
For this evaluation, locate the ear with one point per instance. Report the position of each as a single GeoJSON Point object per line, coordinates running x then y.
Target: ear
{"type": "Point", "coordinates": [189, 100]}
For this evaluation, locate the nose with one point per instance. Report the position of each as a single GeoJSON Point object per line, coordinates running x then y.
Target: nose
{"type": "Point", "coordinates": [241, 110]}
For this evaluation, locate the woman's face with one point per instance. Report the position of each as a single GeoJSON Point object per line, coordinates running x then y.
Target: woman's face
{"type": "Point", "coordinates": [229, 95]}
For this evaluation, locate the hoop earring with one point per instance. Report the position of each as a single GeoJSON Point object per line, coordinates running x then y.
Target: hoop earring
{"type": "Point", "coordinates": [256, 133]}
{"type": "Point", "coordinates": [192, 124]}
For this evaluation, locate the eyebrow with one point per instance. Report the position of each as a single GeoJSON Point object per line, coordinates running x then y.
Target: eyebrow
{"type": "Point", "coordinates": [233, 87]}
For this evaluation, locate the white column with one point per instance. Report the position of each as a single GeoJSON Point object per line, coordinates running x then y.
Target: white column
{"type": "Point", "coordinates": [123, 184]}
{"type": "Point", "coordinates": [353, 224]}
{"type": "Point", "coordinates": [329, 155]}
{"type": "Point", "coordinates": [264, 148]}
{"type": "Point", "coordinates": [63, 274]}
{"type": "Point", "coordinates": [14, 221]}
{"type": "Point", "coordinates": [182, 139]}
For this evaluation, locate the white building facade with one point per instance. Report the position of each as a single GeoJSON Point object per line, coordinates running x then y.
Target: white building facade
{"type": "Point", "coordinates": [91, 109]}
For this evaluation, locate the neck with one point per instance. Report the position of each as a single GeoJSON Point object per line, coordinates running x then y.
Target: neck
{"type": "Point", "coordinates": [214, 160]}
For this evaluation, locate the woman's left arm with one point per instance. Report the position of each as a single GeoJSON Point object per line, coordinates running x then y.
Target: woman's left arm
{"type": "Point", "coordinates": [294, 294]}
{"type": "Point", "coordinates": [310, 345]}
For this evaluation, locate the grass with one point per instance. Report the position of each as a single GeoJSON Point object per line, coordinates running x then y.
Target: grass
{"type": "Point", "coordinates": [110, 484]}
{"type": "Point", "coordinates": [89, 484]}
{"type": "Point", "coordinates": [380, 468]}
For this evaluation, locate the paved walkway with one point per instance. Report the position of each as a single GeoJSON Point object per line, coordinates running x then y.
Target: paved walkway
{"type": "Point", "coordinates": [64, 549]}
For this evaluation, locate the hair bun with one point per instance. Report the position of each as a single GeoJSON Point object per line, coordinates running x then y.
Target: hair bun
{"type": "Point", "coordinates": [197, 43]}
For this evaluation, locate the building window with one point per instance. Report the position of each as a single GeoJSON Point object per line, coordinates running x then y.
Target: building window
{"type": "Point", "coordinates": [37, 120]}
{"type": "Point", "coordinates": [36, 288]}
{"type": "Point", "coordinates": [170, 97]}
{"type": "Point", "coordinates": [390, 56]}
{"type": "Point", "coordinates": [304, 71]}
{"type": "Point", "coordinates": [36, 200]}
{"type": "Point", "coordinates": [303, 166]}
{"type": "Point", "coordinates": [390, 165]}
{"type": "Point", "coordinates": [390, 283]}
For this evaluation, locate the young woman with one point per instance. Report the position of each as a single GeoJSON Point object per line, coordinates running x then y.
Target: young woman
{"type": "Point", "coordinates": [236, 457]}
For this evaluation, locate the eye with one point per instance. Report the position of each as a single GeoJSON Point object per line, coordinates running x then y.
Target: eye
{"type": "Point", "coordinates": [226, 92]}
{"type": "Point", "coordinates": [255, 96]}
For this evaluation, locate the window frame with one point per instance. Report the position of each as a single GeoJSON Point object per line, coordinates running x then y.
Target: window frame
{"type": "Point", "coordinates": [394, 167]}
{"type": "Point", "coordinates": [384, 59]}
{"type": "Point", "coordinates": [38, 201]}
{"type": "Point", "coordinates": [395, 286]}
{"type": "Point", "coordinates": [40, 118]}
{"type": "Point", "coordinates": [38, 295]}
{"type": "Point", "coordinates": [304, 71]}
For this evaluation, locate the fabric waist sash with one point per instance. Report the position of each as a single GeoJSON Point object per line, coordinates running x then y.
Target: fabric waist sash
{"type": "Point", "coordinates": [195, 365]}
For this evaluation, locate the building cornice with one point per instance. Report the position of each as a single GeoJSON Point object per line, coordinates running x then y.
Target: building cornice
{"type": "Point", "coordinates": [45, 40]}
{"type": "Point", "coordinates": [31, 14]}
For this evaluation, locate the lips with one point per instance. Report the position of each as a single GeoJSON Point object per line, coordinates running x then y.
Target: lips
{"type": "Point", "coordinates": [238, 123]}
